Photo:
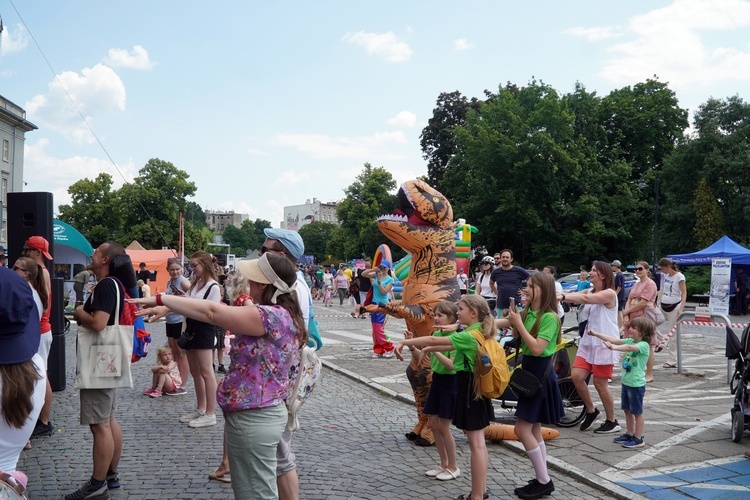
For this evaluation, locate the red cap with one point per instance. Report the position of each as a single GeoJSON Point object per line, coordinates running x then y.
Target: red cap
{"type": "Point", "coordinates": [39, 243]}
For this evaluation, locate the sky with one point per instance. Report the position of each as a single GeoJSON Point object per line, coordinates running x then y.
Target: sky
{"type": "Point", "coordinates": [270, 104]}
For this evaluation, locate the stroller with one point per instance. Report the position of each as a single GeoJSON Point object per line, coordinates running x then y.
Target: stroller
{"type": "Point", "coordinates": [739, 384]}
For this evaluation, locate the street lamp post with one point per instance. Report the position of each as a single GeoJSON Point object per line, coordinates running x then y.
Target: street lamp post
{"type": "Point", "coordinates": [656, 219]}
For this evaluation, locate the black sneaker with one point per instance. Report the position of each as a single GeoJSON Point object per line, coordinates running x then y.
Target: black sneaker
{"type": "Point", "coordinates": [90, 492]}
{"type": "Point", "coordinates": [41, 429]}
{"type": "Point", "coordinates": [113, 480]}
{"type": "Point", "coordinates": [221, 369]}
{"type": "Point", "coordinates": [608, 427]}
{"type": "Point", "coordinates": [589, 419]}
{"type": "Point", "coordinates": [525, 488]}
{"type": "Point", "coordinates": [537, 490]}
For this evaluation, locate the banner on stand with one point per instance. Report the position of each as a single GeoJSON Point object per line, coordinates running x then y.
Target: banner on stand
{"type": "Point", "coordinates": [721, 273]}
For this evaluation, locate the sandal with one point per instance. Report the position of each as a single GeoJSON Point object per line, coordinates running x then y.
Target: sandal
{"type": "Point", "coordinates": [224, 478]}
{"type": "Point", "coordinates": [668, 365]}
{"type": "Point", "coordinates": [468, 497]}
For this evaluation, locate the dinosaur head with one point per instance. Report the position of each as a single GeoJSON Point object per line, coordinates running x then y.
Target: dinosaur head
{"type": "Point", "coordinates": [422, 209]}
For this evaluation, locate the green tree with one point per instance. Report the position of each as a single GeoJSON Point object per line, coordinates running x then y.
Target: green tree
{"type": "Point", "coordinates": [708, 220]}
{"type": "Point", "coordinates": [90, 211]}
{"type": "Point", "coordinates": [437, 139]}
{"type": "Point", "coordinates": [717, 152]}
{"type": "Point", "coordinates": [366, 199]}
{"type": "Point", "coordinates": [258, 226]}
{"type": "Point", "coordinates": [316, 236]}
{"type": "Point", "coordinates": [237, 239]}
{"type": "Point", "coordinates": [151, 205]}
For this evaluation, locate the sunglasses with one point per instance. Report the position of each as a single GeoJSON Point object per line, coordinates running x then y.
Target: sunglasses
{"type": "Point", "coordinates": [264, 249]}
{"type": "Point", "coordinates": [640, 268]}
{"type": "Point", "coordinates": [16, 268]}
{"type": "Point", "coordinates": [194, 264]}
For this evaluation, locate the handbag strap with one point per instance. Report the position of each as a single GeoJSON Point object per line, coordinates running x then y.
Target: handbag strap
{"type": "Point", "coordinates": [117, 302]}
{"type": "Point", "coordinates": [208, 290]}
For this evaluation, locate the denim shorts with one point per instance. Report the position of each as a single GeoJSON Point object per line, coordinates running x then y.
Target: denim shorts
{"type": "Point", "coordinates": [631, 399]}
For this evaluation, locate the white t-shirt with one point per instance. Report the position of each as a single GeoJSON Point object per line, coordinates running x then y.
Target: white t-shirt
{"type": "Point", "coordinates": [214, 295]}
{"type": "Point", "coordinates": [13, 440]}
{"type": "Point", "coordinates": [559, 290]}
{"type": "Point", "coordinates": [670, 288]}
{"type": "Point", "coordinates": [462, 280]}
{"type": "Point", "coordinates": [303, 296]}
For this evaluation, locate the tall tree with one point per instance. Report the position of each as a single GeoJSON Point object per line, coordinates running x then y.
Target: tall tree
{"type": "Point", "coordinates": [437, 139]}
{"type": "Point", "coordinates": [366, 199]}
{"type": "Point", "coordinates": [91, 209]}
{"type": "Point", "coordinates": [316, 236]}
{"type": "Point", "coordinates": [718, 152]}
{"type": "Point", "coordinates": [151, 204]}
{"type": "Point", "coordinates": [708, 220]}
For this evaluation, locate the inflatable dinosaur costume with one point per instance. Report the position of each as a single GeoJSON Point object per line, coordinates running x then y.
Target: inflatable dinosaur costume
{"type": "Point", "coordinates": [423, 226]}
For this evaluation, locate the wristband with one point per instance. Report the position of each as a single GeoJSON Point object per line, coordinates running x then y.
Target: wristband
{"type": "Point", "coordinates": [563, 297]}
{"type": "Point", "coordinates": [158, 300]}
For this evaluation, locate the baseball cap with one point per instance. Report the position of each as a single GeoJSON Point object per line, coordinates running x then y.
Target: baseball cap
{"type": "Point", "coordinates": [291, 240]}
{"type": "Point", "coordinates": [617, 263]}
{"type": "Point", "coordinates": [2, 250]}
{"type": "Point", "coordinates": [39, 243]}
{"type": "Point", "coordinates": [19, 319]}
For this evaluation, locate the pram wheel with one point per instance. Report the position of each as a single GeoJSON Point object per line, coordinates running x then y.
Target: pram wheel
{"type": "Point", "coordinates": [738, 424]}
{"type": "Point", "coordinates": [573, 407]}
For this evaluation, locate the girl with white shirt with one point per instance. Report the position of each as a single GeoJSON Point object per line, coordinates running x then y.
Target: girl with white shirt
{"type": "Point", "coordinates": [672, 295]}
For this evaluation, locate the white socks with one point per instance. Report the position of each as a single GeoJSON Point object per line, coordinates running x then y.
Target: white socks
{"type": "Point", "coordinates": [543, 447]}
{"type": "Point", "coordinates": [540, 465]}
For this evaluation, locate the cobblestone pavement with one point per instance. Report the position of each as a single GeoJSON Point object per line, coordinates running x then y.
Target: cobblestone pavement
{"type": "Point", "coordinates": [351, 445]}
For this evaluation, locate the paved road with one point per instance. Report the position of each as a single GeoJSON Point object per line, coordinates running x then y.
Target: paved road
{"type": "Point", "coordinates": [689, 453]}
{"type": "Point", "coordinates": [351, 445]}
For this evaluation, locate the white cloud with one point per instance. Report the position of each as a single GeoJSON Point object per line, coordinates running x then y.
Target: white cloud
{"type": "Point", "coordinates": [404, 119]}
{"type": "Point", "coordinates": [44, 172]}
{"type": "Point", "coordinates": [594, 34]}
{"type": "Point", "coordinates": [323, 146]}
{"type": "Point", "coordinates": [385, 45]}
{"type": "Point", "coordinates": [13, 41]}
{"type": "Point", "coordinates": [462, 44]}
{"type": "Point", "coordinates": [136, 59]}
{"type": "Point", "coordinates": [682, 44]}
{"type": "Point", "coordinates": [289, 177]}
{"type": "Point", "coordinates": [95, 91]}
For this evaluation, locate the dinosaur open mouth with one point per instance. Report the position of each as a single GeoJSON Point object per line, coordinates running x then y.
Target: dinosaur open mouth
{"type": "Point", "coordinates": [400, 215]}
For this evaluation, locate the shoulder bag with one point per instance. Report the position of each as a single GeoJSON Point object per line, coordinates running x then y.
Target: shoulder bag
{"type": "Point", "coordinates": [186, 338]}
{"type": "Point", "coordinates": [654, 314]}
{"type": "Point", "coordinates": [525, 384]}
{"type": "Point", "coordinates": [103, 358]}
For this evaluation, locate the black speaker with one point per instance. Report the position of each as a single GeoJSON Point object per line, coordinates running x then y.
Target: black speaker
{"type": "Point", "coordinates": [29, 214]}
{"type": "Point", "coordinates": [56, 358]}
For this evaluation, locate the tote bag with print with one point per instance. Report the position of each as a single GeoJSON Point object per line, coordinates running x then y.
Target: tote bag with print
{"type": "Point", "coordinates": [103, 358]}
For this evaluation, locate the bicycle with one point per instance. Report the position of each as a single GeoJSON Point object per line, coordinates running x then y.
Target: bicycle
{"type": "Point", "coordinates": [562, 363]}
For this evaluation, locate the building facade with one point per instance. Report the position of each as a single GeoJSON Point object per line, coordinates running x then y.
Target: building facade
{"type": "Point", "coordinates": [218, 221]}
{"type": "Point", "coordinates": [297, 216]}
{"type": "Point", "coordinates": [13, 128]}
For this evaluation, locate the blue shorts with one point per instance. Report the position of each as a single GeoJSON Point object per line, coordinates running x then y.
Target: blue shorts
{"type": "Point", "coordinates": [631, 399]}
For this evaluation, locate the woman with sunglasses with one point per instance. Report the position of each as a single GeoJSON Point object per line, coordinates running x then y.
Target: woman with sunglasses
{"type": "Point", "coordinates": [642, 295]}
{"type": "Point", "coordinates": [483, 287]}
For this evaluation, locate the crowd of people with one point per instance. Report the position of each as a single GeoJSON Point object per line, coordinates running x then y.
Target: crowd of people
{"type": "Point", "coordinates": [270, 307]}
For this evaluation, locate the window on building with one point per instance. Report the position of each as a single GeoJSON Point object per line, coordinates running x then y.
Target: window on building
{"type": "Point", "coordinates": [4, 192]}
{"type": "Point", "coordinates": [6, 150]}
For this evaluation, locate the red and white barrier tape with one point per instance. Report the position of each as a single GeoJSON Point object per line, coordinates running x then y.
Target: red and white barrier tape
{"type": "Point", "coordinates": [668, 336]}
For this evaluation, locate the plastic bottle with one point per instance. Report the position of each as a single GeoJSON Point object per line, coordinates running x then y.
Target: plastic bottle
{"type": "Point", "coordinates": [486, 364]}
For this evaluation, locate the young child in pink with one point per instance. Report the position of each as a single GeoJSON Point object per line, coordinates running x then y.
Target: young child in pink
{"type": "Point", "coordinates": [166, 376]}
{"type": "Point", "coordinates": [327, 299]}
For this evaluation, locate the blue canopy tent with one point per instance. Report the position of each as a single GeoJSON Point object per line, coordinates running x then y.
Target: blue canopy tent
{"type": "Point", "coordinates": [723, 247]}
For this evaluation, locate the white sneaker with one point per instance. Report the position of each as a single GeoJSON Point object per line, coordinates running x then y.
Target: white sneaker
{"type": "Point", "coordinates": [388, 354]}
{"type": "Point", "coordinates": [190, 417]}
{"type": "Point", "coordinates": [205, 420]}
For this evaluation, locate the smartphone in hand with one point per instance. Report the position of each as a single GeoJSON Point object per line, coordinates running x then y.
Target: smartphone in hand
{"type": "Point", "coordinates": [513, 304]}
{"type": "Point", "coordinates": [176, 290]}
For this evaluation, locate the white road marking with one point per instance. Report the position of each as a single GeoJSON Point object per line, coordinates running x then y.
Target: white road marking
{"type": "Point", "coordinates": [665, 445]}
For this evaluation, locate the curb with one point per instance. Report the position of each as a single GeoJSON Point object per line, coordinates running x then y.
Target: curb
{"type": "Point", "coordinates": [587, 478]}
